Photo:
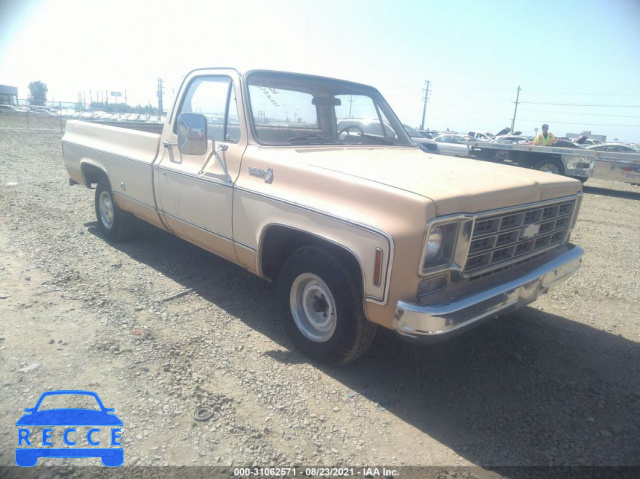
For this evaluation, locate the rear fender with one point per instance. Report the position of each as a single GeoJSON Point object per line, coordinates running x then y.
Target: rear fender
{"type": "Point", "coordinates": [92, 172]}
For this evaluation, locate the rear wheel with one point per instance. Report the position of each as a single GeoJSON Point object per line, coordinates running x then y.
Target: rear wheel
{"type": "Point", "coordinates": [322, 307]}
{"type": "Point", "coordinates": [115, 224]}
{"type": "Point", "coordinates": [550, 166]}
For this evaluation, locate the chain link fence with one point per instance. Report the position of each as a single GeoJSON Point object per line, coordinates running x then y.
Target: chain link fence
{"type": "Point", "coordinates": [54, 115]}
{"type": "Point", "coordinates": [32, 121]}
{"type": "Point", "coordinates": [51, 120]}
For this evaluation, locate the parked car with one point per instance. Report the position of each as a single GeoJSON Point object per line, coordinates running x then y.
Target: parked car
{"type": "Point", "coordinates": [512, 139]}
{"type": "Point", "coordinates": [454, 145]}
{"type": "Point", "coordinates": [8, 109]}
{"type": "Point", "coordinates": [42, 110]}
{"type": "Point", "coordinates": [566, 143]}
{"type": "Point", "coordinates": [431, 134]}
{"type": "Point", "coordinates": [413, 133]}
{"type": "Point", "coordinates": [479, 136]}
{"type": "Point", "coordinates": [618, 147]}
{"type": "Point", "coordinates": [426, 144]}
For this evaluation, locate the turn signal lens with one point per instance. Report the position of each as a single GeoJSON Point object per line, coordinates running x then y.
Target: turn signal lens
{"type": "Point", "coordinates": [429, 286]}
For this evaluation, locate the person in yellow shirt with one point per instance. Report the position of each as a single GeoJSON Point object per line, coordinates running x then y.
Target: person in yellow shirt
{"type": "Point", "coordinates": [546, 138]}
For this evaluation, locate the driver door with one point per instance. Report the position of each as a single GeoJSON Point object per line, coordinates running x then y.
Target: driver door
{"type": "Point", "coordinates": [196, 202]}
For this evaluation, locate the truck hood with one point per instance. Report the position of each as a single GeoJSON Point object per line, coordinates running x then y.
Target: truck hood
{"type": "Point", "coordinates": [456, 185]}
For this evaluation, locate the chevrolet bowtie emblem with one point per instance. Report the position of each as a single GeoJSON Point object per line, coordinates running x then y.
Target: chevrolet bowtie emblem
{"type": "Point", "coordinates": [530, 231]}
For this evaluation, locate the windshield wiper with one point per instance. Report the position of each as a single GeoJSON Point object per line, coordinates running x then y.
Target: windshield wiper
{"type": "Point", "coordinates": [312, 139]}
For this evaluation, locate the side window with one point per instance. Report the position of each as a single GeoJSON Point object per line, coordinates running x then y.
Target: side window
{"type": "Point", "coordinates": [210, 96]}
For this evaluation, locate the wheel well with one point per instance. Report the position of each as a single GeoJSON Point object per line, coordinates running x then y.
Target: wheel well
{"type": "Point", "coordinates": [280, 241]}
{"type": "Point", "coordinates": [92, 174]}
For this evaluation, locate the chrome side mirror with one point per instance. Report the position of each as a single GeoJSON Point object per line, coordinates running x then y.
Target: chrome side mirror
{"type": "Point", "coordinates": [192, 134]}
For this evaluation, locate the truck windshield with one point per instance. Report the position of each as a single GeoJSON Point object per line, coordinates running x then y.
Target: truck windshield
{"type": "Point", "coordinates": [291, 109]}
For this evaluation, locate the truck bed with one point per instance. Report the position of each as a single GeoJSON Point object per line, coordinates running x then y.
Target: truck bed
{"type": "Point", "coordinates": [125, 155]}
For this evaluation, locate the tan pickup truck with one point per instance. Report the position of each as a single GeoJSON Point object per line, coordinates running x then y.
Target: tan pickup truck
{"type": "Point", "coordinates": [312, 182]}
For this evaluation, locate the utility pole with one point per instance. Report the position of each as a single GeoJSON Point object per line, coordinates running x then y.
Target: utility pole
{"type": "Point", "coordinates": [424, 108]}
{"type": "Point", "coordinates": [513, 122]}
{"type": "Point", "coordinates": [160, 91]}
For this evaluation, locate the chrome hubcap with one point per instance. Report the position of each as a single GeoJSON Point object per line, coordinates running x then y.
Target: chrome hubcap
{"type": "Point", "coordinates": [313, 308]}
{"type": "Point", "coordinates": [106, 210]}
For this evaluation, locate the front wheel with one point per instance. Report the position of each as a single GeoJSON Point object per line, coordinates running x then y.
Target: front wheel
{"type": "Point", "coordinates": [322, 307]}
{"type": "Point", "coordinates": [115, 224]}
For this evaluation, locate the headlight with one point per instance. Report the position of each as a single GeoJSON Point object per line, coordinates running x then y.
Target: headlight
{"type": "Point", "coordinates": [446, 244]}
{"type": "Point", "coordinates": [434, 243]}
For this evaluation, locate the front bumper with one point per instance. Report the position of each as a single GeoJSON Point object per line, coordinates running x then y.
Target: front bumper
{"type": "Point", "coordinates": [434, 322]}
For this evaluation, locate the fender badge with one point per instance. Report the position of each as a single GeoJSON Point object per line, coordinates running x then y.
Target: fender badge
{"type": "Point", "coordinates": [266, 175]}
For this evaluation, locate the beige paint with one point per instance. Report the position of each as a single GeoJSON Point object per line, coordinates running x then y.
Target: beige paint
{"type": "Point", "coordinates": [361, 198]}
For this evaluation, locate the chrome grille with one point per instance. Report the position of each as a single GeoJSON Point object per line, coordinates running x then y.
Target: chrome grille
{"type": "Point", "coordinates": [511, 236]}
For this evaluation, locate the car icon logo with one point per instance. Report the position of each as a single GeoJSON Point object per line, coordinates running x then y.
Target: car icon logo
{"type": "Point", "coordinates": [74, 421]}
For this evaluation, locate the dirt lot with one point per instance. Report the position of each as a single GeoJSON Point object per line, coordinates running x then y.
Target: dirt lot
{"type": "Point", "coordinates": [556, 384]}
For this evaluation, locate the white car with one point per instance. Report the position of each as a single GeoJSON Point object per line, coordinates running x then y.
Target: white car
{"type": "Point", "coordinates": [454, 145]}
{"type": "Point", "coordinates": [479, 136]}
{"type": "Point", "coordinates": [617, 147]}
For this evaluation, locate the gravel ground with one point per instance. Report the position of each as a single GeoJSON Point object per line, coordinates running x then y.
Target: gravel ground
{"type": "Point", "coordinates": [555, 384]}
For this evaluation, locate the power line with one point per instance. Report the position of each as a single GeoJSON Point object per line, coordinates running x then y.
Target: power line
{"type": "Point", "coordinates": [581, 114]}
{"type": "Point", "coordinates": [493, 106]}
{"type": "Point", "coordinates": [584, 93]}
{"type": "Point", "coordinates": [580, 104]}
{"type": "Point", "coordinates": [476, 88]}
{"type": "Point", "coordinates": [473, 96]}
{"type": "Point", "coordinates": [576, 123]}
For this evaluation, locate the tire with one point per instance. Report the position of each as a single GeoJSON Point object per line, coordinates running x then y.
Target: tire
{"type": "Point", "coordinates": [322, 307]}
{"type": "Point", "coordinates": [115, 224]}
{"type": "Point", "coordinates": [550, 166]}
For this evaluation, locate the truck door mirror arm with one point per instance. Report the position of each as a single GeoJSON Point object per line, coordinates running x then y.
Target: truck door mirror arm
{"type": "Point", "coordinates": [221, 160]}
{"type": "Point", "coordinates": [193, 139]}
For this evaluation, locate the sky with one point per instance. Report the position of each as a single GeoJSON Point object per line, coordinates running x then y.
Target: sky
{"type": "Point", "coordinates": [576, 62]}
